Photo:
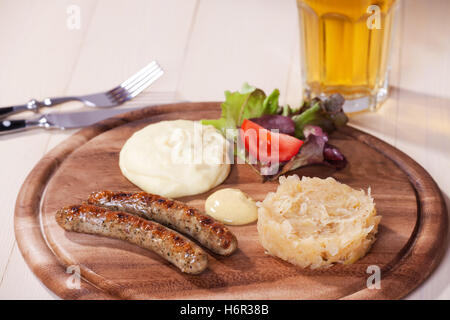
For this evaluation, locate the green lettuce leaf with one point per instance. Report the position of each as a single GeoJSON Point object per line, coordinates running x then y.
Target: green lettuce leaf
{"type": "Point", "coordinates": [249, 102]}
{"type": "Point", "coordinates": [270, 104]}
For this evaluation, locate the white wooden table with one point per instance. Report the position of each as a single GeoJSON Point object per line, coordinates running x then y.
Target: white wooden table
{"type": "Point", "coordinates": [205, 47]}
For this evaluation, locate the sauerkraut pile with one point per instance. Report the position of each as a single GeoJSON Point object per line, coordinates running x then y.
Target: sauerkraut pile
{"type": "Point", "coordinates": [316, 222]}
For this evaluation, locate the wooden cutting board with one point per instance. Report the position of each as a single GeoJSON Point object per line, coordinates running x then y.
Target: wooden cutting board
{"type": "Point", "coordinates": [410, 242]}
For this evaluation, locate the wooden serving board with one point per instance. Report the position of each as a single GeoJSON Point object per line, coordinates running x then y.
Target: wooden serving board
{"type": "Point", "coordinates": [410, 242]}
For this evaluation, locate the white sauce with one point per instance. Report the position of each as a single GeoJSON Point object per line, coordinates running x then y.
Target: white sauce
{"type": "Point", "coordinates": [175, 158]}
{"type": "Point", "coordinates": [231, 206]}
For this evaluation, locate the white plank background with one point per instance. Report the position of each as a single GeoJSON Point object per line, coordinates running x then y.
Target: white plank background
{"type": "Point", "coordinates": [205, 47]}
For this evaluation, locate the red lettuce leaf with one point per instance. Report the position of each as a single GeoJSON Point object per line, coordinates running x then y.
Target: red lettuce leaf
{"type": "Point", "coordinates": [315, 150]}
{"type": "Point", "coordinates": [276, 122]}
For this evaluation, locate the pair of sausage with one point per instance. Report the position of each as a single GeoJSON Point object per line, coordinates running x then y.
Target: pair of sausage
{"type": "Point", "coordinates": [140, 218]}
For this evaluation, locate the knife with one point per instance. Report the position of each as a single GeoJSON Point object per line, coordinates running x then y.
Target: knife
{"type": "Point", "coordinates": [67, 120]}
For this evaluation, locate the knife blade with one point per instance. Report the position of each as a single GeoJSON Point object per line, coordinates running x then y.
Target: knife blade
{"type": "Point", "coordinates": [67, 120]}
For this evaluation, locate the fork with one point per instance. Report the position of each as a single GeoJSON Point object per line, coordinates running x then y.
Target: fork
{"type": "Point", "coordinates": [127, 90]}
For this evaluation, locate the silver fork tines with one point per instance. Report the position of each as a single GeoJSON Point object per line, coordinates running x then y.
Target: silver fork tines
{"type": "Point", "coordinates": [130, 88]}
{"type": "Point", "coordinates": [135, 84]}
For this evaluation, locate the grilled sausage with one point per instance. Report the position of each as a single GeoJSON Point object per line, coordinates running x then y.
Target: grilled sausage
{"type": "Point", "coordinates": [170, 245]}
{"type": "Point", "coordinates": [173, 214]}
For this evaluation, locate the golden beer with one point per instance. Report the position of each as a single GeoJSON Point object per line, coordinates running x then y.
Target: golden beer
{"type": "Point", "coordinates": [345, 48]}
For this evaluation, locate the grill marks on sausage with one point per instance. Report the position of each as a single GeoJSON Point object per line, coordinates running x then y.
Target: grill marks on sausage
{"type": "Point", "coordinates": [169, 244]}
{"type": "Point", "coordinates": [176, 214]}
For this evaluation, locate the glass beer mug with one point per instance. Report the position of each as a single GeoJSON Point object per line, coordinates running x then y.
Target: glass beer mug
{"type": "Point", "coordinates": [345, 48]}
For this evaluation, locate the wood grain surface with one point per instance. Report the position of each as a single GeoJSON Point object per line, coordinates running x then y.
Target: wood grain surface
{"type": "Point", "coordinates": [410, 243]}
